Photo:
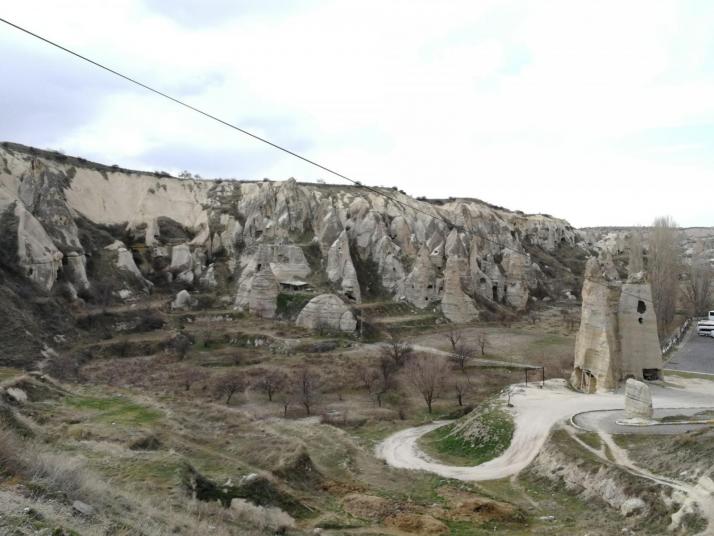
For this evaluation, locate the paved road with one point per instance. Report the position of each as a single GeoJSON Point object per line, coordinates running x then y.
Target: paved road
{"type": "Point", "coordinates": [696, 354]}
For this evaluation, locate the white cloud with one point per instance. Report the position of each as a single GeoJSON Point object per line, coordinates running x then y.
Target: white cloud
{"type": "Point", "coordinates": [531, 105]}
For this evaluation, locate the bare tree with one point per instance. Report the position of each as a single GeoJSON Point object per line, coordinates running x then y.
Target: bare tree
{"type": "Point", "coordinates": [663, 266]}
{"type": "Point", "coordinates": [462, 353]}
{"type": "Point", "coordinates": [398, 351]}
{"type": "Point", "coordinates": [482, 342]}
{"type": "Point", "coordinates": [461, 388]}
{"type": "Point", "coordinates": [386, 372]}
{"type": "Point", "coordinates": [270, 382]}
{"type": "Point", "coordinates": [180, 345]}
{"type": "Point", "coordinates": [427, 375]}
{"type": "Point", "coordinates": [307, 388]}
{"type": "Point", "coordinates": [187, 376]}
{"type": "Point", "coordinates": [369, 378]}
{"type": "Point", "coordinates": [699, 286]}
{"type": "Point", "coordinates": [229, 384]}
{"type": "Point", "coordinates": [454, 336]}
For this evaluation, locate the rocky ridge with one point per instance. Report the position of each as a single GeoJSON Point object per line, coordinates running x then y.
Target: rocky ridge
{"type": "Point", "coordinates": [75, 222]}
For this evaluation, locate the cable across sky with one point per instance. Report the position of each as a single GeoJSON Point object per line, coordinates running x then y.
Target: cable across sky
{"type": "Point", "coordinates": [378, 191]}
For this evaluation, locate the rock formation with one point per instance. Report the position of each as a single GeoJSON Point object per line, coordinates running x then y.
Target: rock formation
{"type": "Point", "coordinates": [328, 311]}
{"type": "Point", "coordinates": [259, 293]}
{"type": "Point", "coordinates": [341, 270]}
{"type": "Point", "coordinates": [638, 400]}
{"type": "Point", "coordinates": [60, 212]}
{"type": "Point", "coordinates": [456, 305]}
{"type": "Point", "coordinates": [617, 338]}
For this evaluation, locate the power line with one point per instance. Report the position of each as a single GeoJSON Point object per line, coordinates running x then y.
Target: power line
{"type": "Point", "coordinates": [449, 224]}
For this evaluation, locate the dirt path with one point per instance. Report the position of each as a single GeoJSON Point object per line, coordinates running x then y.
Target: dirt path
{"type": "Point", "coordinates": [535, 412]}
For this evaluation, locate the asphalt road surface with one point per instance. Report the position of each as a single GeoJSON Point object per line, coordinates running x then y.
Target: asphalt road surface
{"type": "Point", "coordinates": [695, 354]}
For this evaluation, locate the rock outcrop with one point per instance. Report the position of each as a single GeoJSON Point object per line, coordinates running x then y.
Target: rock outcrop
{"type": "Point", "coordinates": [617, 338]}
{"type": "Point", "coordinates": [327, 311]}
{"type": "Point", "coordinates": [64, 216]}
{"type": "Point", "coordinates": [638, 400]}
{"type": "Point", "coordinates": [258, 294]}
{"type": "Point", "coordinates": [456, 305]}
{"type": "Point", "coordinates": [341, 270]}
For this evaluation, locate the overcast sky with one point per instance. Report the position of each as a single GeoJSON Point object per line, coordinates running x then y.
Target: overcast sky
{"type": "Point", "coordinates": [598, 112]}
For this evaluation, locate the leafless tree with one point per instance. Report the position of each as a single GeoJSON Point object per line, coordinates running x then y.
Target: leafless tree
{"type": "Point", "coordinates": [180, 345]}
{"type": "Point", "coordinates": [454, 336]}
{"type": "Point", "coordinates": [369, 378]}
{"type": "Point", "coordinates": [461, 388]}
{"type": "Point", "coordinates": [482, 342]}
{"type": "Point", "coordinates": [427, 375]}
{"type": "Point", "coordinates": [229, 384]}
{"type": "Point", "coordinates": [462, 353]}
{"type": "Point", "coordinates": [187, 376]}
{"type": "Point", "coordinates": [699, 286]}
{"type": "Point", "coordinates": [399, 351]}
{"type": "Point", "coordinates": [386, 372]}
{"type": "Point", "coordinates": [307, 388]}
{"type": "Point", "coordinates": [270, 381]}
{"type": "Point", "coordinates": [664, 266]}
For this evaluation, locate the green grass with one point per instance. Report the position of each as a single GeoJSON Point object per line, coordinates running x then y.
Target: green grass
{"type": "Point", "coordinates": [591, 439]}
{"type": "Point", "coordinates": [7, 372]}
{"type": "Point", "coordinates": [115, 409]}
{"type": "Point", "coordinates": [455, 449]}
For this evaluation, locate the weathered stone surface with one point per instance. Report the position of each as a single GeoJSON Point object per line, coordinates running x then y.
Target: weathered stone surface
{"type": "Point", "coordinates": [230, 223]}
{"type": "Point", "coordinates": [421, 287]}
{"type": "Point", "coordinates": [327, 310]}
{"type": "Point", "coordinates": [341, 270]}
{"type": "Point", "coordinates": [83, 508]}
{"type": "Point", "coordinates": [632, 506]}
{"type": "Point", "coordinates": [456, 305]}
{"type": "Point", "coordinates": [259, 293]}
{"type": "Point", "coordinates": [638, 399]}
{"type": "Point", "coordinates": [181, 259]}
{"type": "Point", "coordinates": [183, 300]}
{"type": "Point", "coordinates": [618, 332]}
{"type": "Point", "coordinates": [17, 394]}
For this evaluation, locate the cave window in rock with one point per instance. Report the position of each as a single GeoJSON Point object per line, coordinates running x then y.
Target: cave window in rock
{"type": "Point", "coordinates": [639, 320]}
{"type": "Point", "coordinates": [651, 374]}
{"type": "Point", "coordinates": [350, 296]}
{"type": "Point", "coordinates": [257, 268]}
{"type": "Point", "coordinates": [641, 307]}
{"type": "Point", "coordinates": [430, 286]}
{"type": "Point", "coordinates": [495, 292]}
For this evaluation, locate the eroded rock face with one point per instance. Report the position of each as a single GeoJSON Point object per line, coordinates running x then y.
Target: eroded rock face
{"type": "Point", "coordinates": [329, 311]}
{"type": "Point", "coordinates": [618, 332]}
{"type": "Point", "coordinates": [422, 287]}
{"type": "Point", "coordinates": [638, 400]}
{"type": "Point", "coordinates": [258, 294]}
{"type": "Point", "coordinates": [183, 300]}
{"type": "Point", "coordinates": [233, 224]}
{"type": "Point", "coordinates": [456, 305]}
{"type": "Point", "coordinates": [341, 270]}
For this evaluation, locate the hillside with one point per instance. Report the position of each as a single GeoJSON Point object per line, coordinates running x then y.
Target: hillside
{"type": "Point", "coordinates": [90, 234]}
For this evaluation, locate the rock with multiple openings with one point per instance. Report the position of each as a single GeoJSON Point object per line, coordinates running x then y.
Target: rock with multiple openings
{"type": "Point", "coordinates": [617, 338]}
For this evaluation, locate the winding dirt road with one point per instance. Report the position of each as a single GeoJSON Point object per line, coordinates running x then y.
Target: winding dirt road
{"type": "Point", "coordinates": [535, 412]}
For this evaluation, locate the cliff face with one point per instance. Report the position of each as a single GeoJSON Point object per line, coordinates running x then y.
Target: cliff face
{"type": "Point", "coordinates": [69, 213]}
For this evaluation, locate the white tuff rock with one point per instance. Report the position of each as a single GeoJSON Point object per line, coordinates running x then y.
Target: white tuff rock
{"type": "Point", "coordinates": [327, 310]}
